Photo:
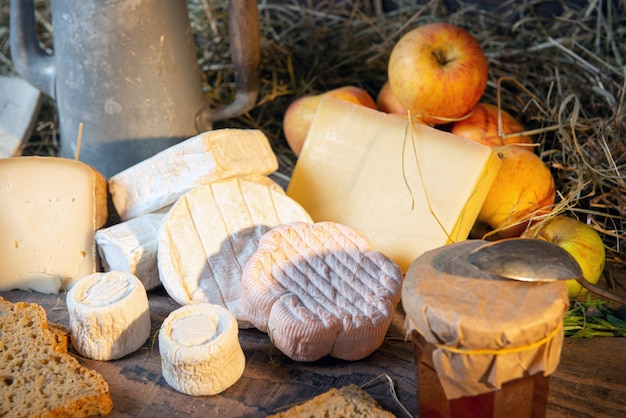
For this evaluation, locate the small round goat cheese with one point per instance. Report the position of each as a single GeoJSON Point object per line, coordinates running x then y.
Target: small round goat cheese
{"type": "Point", "coordinates": [109, 315]}
{"type": "Point", "coordinates": [200, 350]}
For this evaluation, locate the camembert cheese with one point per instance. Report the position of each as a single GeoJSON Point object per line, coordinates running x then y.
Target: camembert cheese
{"type": "Point", "coordinates": [208, 235]}
{"type": "Point", "coordinates": [160, 180]}
{"type": "Point", "coordinates": [408, 188]}
{"type": "Point", "coordinates": [200, 350]}
{"type": "Point", "coordinates": [109, 315]}
{"type": "Point", "coordinates": [320, 289]}
{"type": "Point", "coordinates": [50, 209]}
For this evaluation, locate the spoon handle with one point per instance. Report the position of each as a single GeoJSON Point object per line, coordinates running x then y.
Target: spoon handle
{"type": "Point", "coordinates": [599, 291]}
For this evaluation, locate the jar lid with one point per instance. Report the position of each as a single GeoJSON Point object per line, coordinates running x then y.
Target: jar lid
{"type": "Point", "coordinates": [487, 329]}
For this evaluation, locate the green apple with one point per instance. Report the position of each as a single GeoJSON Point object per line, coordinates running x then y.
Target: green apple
{"type": "Point", "coordinates": [580, 240]}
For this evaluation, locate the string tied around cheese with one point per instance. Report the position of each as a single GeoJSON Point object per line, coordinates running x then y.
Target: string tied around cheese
{"type": "Point", "coordinates": [504, 350]}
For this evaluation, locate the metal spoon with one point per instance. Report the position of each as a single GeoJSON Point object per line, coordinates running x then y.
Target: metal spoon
{"type": "Point", "coordinates": [533, 260]}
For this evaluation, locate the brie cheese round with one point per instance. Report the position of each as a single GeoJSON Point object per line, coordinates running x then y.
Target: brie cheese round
{"type": "Point", "coordinates": [200, 350]}
{"type": "Point", "coordinates": [209, 234]}
{"type": "Point", "coordinates": [109, 315]}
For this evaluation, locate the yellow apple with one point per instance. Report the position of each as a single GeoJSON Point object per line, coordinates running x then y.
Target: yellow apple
{"type": "Point", "coordinates": [523, 188]}
{"type": "Point", "coordinates": [300, 113]}
{"type": "Point", "coordinates": [482, 126]}
{"type": "Point", "coordinates": [437, 71]}
{"type": "Point", "coordinates": [581, 241]}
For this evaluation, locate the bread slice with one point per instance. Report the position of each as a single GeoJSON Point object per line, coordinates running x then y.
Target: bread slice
{"type": "Point", "coordinates": [348, 402]}
{"type": "Point", "coordinates": [37, 375]}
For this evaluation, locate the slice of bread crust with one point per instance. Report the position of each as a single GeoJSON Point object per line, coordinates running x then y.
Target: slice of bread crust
{"type": "Point", "coordinates": [38, 378]}
{"type": "Point", "coordinates": [348, 402]}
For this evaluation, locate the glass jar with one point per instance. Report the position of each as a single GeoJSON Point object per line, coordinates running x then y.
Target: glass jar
{"type": "Point", "coordinates": [484, 346]}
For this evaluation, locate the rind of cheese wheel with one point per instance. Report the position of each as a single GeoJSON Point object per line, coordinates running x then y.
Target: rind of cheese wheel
{"type": "Point", "coordinates": [209, 234]}
{"type": "Point", "coordinates": [50, 209]}
{"type": "Point", "coordinates": [109, 315]}
{"type": "Point", "coordinates": [214, 155]}
{"type": "Point", "coordinates": [200, 350]}
{"type": "Point", "coordinates": [320, 289]}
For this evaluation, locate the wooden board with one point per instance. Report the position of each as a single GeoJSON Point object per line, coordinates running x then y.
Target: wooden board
{"type": "Point", "coordinates": [590, 380]}
{"type": "Point", "coordinates": [19, 105]}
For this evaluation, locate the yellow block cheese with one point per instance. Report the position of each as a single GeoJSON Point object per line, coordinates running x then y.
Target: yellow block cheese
{"type": "Point", "coordinates": [408, 190]}
{"type": "Point", "coordinates": [50, 209]}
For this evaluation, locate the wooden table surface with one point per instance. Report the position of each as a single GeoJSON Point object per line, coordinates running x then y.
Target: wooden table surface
{"type": "Point", "coordinates": [590, 380]}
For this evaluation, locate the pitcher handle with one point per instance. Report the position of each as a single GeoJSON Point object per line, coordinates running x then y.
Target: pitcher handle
{"type": "Point", "coordinates": [31, 61]}
{"type": "Point", "coordinates": [243, 27]}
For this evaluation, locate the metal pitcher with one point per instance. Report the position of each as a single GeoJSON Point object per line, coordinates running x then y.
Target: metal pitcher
{"type": "Point", "coordinates": [128, 71]}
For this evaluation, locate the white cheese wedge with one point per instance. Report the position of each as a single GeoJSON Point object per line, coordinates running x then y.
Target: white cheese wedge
{"type": "Point", "coordinates": [200, 350]}
{"type": "Point", "coordinates": [131, 246]}
{"type": "Point", "coordinates": [408, 190]}
{"type": "Point", "coordinates": [50, 209]}
{"type": "Point", "coordinates": [214, 155]}
{"type": "Point", "coordinates": [209, 234]}
{"type": "Point", "coordinates": [320, 289]}
{"type": "Point", "coordinates": [109, 315]}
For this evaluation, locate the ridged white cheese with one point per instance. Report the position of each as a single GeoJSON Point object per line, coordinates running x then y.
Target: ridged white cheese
{"type": "Point", "coordinates": [320, 289]}
{"type": "Point", "coordinates": [210, 232]}
{"type": "Point", "coordinates": [200, 350]}
{"type": "Point", "coordinates": [131, 246]}
{"type": "Point", "coordinates": [160, 180]}
{"type": "Point", "coordinates": [109, 315]}
{"type": "Point", "coordinates": [408, 188]}
{"type": "Point", "coordinates": [50, 209]}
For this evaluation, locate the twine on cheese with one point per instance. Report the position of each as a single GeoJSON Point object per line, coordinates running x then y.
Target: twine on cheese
{"type": "Point", "coordinates": [505, 350]}
{"type": "Point", "coordinates": [410, 130]}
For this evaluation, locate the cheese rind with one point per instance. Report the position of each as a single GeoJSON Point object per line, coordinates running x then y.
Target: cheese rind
{"type": "Point", "coordinates": [200, 350]}
{"type": "Point", "coordinates": [109, 315]}
{"type": "Point", "coordinates": [50, 209]}
{"type": "Point", "coordinates": [209, 234]}
{"type": "Point", "coordinates": [409, 189]}
{"type": "Point", "coordinates": [131, 246]}
{"type": "Point", "coordinates": [214, 155]}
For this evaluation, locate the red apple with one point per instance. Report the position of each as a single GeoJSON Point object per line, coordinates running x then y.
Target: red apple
{"type": "Point", "coordinates": [483, 126]}
{"type": "Point", "coordinates": [522, 190]}
{"type": "Point", "coordinates": [438, 71]}
{"type": "Point", "coordinates": [387, 102]}
{"type": "Point", "coordinates": [300, 113]}
{"type": "Point", "coordinates": [581, 241]}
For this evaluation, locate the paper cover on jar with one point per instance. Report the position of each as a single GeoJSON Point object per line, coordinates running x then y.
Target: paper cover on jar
{"type": "Point", "coordinates": [487, 330]}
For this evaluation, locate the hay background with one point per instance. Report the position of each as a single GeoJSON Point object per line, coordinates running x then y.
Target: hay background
{"type": "Point", "coordinates": [558, 66]}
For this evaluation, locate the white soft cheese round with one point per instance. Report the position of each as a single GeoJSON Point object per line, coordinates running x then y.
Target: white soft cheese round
{"type": "Point", "coordinates": [210, 232]}
{"type": "Point", "coordinates": [200, 350]}
{"type": "Point", "coordinates": [109, 315]}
